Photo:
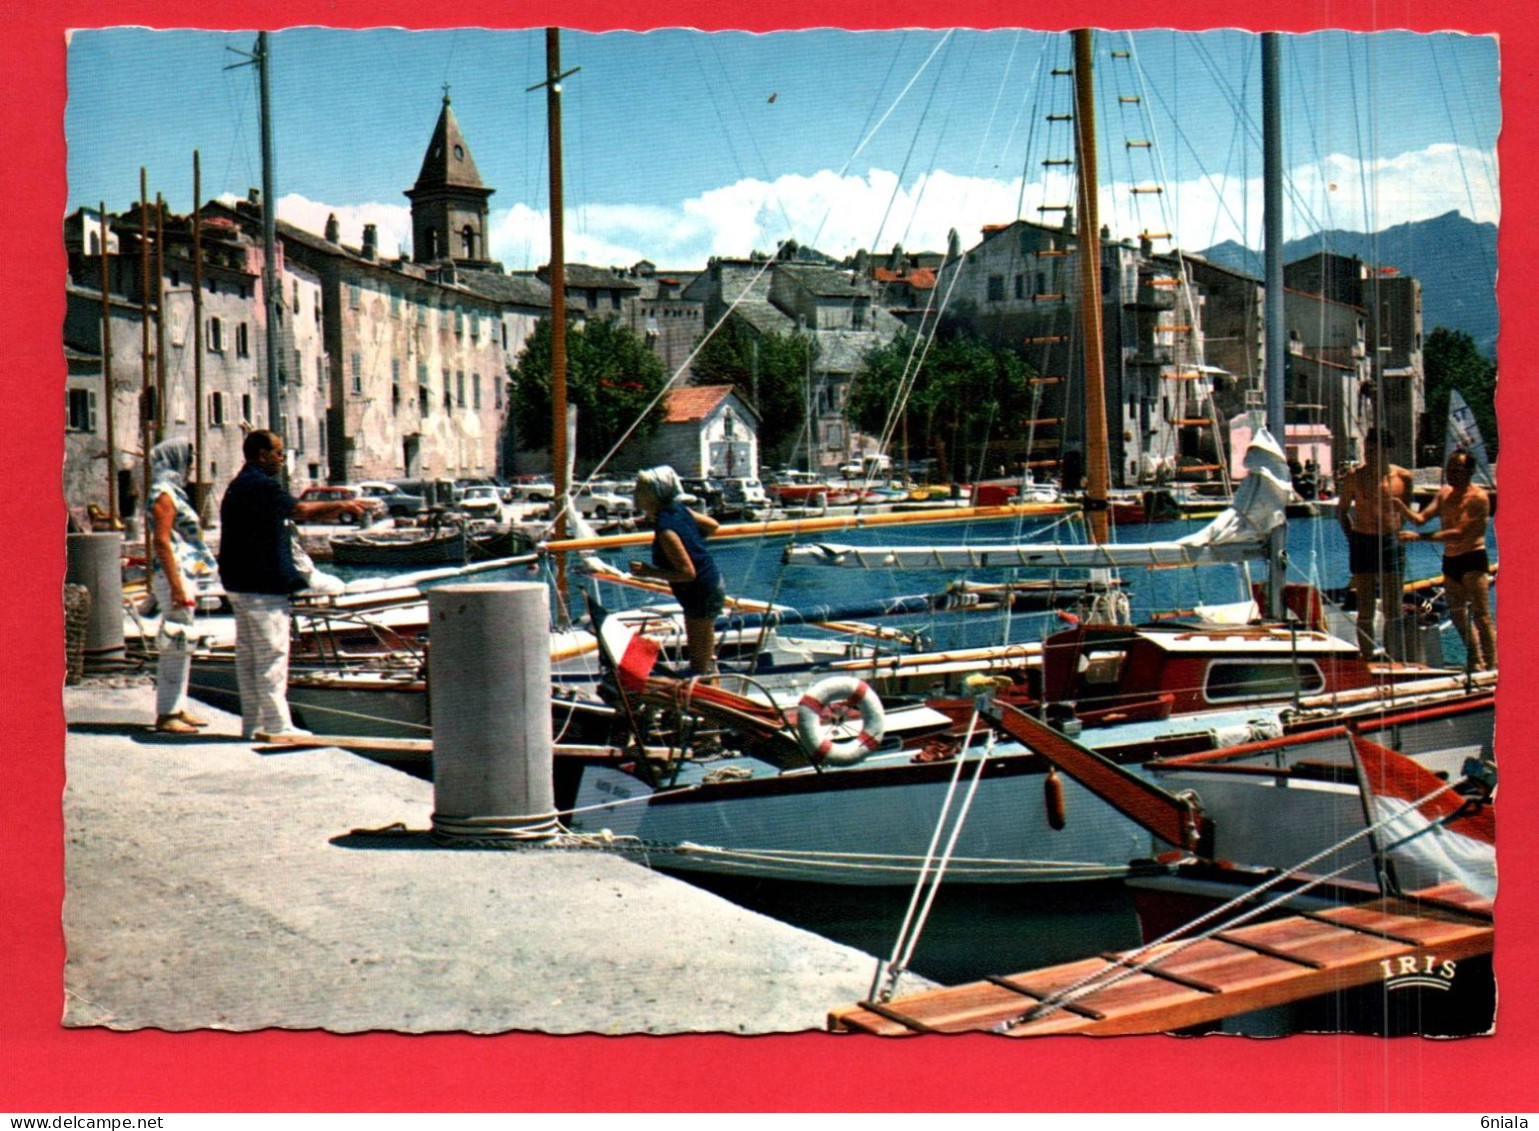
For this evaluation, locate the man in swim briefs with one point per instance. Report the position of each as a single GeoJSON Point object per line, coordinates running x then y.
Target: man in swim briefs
{"type": "Point", "coordinates": [1371, 511]}
{"type": "Point", "coordinates": [1464, 508]}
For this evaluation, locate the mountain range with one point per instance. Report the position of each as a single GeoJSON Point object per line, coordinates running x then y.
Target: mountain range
{"type": "Point", "coordinates": [1454, 257]}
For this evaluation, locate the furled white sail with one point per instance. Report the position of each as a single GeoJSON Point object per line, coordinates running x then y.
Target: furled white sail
{"type": "Point", "coordinates": [1239, 533]}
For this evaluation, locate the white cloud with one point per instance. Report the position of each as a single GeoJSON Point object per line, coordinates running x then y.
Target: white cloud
{"type": "Point", "coordinates": [393, 222]}
{"type": "Point", "coordinates": [839, 215]}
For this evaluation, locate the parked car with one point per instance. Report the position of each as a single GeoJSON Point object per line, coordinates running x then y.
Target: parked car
{"type": "Point", "coordinates": [397, 502]}
{"type": "Point", "coordinates": [708, 491]}
{"type": "Point", "coordinates": [482, 500]}
{"type": "Point", "coordinates": [332, 493]}
{"type": "Point", "coordinates": [599, 500]}
{"type": "Point", "coordinates": [530, 489]}
{"type": "Point", "coordinates": [744, 494]}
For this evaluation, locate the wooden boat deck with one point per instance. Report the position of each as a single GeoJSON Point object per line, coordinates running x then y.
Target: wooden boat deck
{"type": "Point", "coordinates": [1251, 967]}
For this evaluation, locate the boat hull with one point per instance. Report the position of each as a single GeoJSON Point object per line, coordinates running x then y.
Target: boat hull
{"type": "Point", "coordinates": [875, 823]}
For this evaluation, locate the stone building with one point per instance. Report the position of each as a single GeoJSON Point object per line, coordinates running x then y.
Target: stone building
{"type": "Point", "coordinates": [386, 368]}
{"type": "Point", "coordinates": [706, 430]}
{"type": "Point", "coordinates": [1388, 306]}
{"type": "Point", "coordinates": [1019, 287]}
{"type": "Point", "coordinates": [158, 375]}
{"type": "Point", "coordinates": [836, 307]}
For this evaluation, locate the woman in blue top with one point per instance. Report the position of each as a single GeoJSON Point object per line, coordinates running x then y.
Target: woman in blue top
{"type": "Point", "coordinates": [680, 558]}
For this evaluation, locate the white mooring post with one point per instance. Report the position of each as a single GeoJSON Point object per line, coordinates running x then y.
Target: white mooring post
{"type": "Point", "coordinates": [96, 561]}
{"type": "Point", "coordinates": [489, 690]}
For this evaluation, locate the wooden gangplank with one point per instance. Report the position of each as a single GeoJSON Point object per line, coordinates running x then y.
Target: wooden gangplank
{"type": "Point", "coordinates": [1252, 967]}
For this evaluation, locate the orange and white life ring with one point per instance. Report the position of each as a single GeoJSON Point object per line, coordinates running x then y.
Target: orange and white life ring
{"type": "Point", "coordinates": [825, 720]}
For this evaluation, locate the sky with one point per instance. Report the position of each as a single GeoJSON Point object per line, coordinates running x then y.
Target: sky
{"type": "Point", "coordinates": [681, 145]}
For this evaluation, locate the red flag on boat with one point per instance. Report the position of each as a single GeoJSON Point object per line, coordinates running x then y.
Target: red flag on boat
{"type": "Point", "coordinates": [634, 656]}
{"type": "Point", "coordinates": [1430, 841]}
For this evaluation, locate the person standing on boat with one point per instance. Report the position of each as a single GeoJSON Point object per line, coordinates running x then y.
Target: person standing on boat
{"type": "Point", "coordinates": [1464, 508]}
{"type": "Point", "coordinates": [680, 557]}
{"type": "Point", "coordinates": [256, 565]}
{"type": "Point", "coordinates": [180, 558]}
{"type": "Point", "coordinates": [1371, 513]}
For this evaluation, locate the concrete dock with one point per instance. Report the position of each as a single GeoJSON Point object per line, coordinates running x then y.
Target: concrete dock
{"type": "Point", "coordinates": [212, 883]}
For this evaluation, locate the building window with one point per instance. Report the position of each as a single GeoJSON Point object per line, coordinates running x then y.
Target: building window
{"type": "Point", "coordinates": [459, 388]}
{"type": "Point", "coordinates": [395, 384]}
{"type": "Point", "coordinates": [504, 335]}
{"type": "Point", "coordinates": [614, 300]}
{"type": "Point", "coordinates": [459, 321]}
{"type": "Point", "coordinates": [353, 295]}
{"type": "Point", "coordinates": [295, 303]}
{"type": "Point", "coordinates": [424, 398]}
{"type": "Point", "coordinates": [395, 302]}
{"type": "Point", "coordinates": [996, 288]}
{"type": "Point", "coordinates": [357, 367]}
{"type": "Point", "coordinates": [496, 394]}
{"type": "Point", "coordinates": [81, 404]}
{"type": "Point", "coordinates": [468, 242]}
{"type": "Point", "coordinates": [448, 392]}
{"type": "Point", "coordinates": [299, 434]}
{"type": "Point", "coordinates": [213, 286]}
{"type": "Point", "coordinates": [475, 391]}
{"type": "Point", "coordinates": [215, 336]}
{"type": "Point", "coordinates": [242, 341]}
{"type": "Point", "coordinates": [592, 298]}
{"type": "Point", "coordinates": [430, 237]}
{"type": "Point", "coordinates": [216, 409]}
{"type": "Point", "coordinates": [1020, 286]}
{"type": "Point", "coordinates": [245, 407]}
{"type": "Point", "coordinates": [299, 365]}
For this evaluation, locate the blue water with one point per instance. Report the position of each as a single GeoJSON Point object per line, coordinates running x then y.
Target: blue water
{"type": "Point", "coordinates": [753, 568]}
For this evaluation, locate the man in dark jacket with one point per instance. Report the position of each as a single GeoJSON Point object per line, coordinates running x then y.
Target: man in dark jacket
{"type": "Point", "coordinates": [256, 567]}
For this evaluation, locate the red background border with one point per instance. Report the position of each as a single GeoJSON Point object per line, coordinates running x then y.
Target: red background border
{"type": "Point", "coordinates": [44, 1067]}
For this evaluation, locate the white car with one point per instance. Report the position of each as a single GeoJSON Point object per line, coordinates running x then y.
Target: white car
{"type": "Point", "coordinates": [747, 493]}
{"type": "Point", "coordinates": [601, 501]}
{"type": "Point", "coordinates": [482, 501]}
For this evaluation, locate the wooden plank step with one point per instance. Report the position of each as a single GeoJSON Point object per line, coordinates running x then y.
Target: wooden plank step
{"type": "Point", "coordinates": [1244, 969]}
{"type": "Point", "coordinates": [424, 746]}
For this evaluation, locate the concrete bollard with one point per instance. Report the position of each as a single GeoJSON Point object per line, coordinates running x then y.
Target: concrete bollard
{"type": "Point", "coordinates": [489, 691]}
{"type": "Point", "coordinates": [96, 561]}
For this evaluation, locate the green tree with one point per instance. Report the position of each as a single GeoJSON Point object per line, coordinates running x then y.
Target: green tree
{"type": "Point", "coordinates": [611, 377]}
{"type": "Point", "coordinates": [966, 393]}
{"type": "Point", "coordinates": [1453, 361]}
{"type": "Point", "coordinates": [770, 372]}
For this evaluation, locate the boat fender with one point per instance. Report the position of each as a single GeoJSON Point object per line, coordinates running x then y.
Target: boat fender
{"type": "Point", "coordinates": [823, 713]}
{"type": "Point", "coordinates": [1052, 796]}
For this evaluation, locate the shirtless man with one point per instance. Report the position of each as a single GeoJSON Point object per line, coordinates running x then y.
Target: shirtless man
{"type": "Point", "coordinates": [1371, 511]}
{"type": "Point", "coordinates": [1464, 508]}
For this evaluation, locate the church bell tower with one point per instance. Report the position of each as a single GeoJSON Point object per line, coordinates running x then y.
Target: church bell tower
{"type": "Point", "coordinates": [448, 202]}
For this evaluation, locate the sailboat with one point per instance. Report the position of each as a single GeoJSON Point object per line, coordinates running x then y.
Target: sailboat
{"type": "Point", "coordinates": [982, 801]}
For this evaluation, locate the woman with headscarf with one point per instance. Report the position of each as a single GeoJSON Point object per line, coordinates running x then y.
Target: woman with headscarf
{"type": "Point", "coordinates": [180, 557]}
{"type": "Point", "coordinates": [680, 558]}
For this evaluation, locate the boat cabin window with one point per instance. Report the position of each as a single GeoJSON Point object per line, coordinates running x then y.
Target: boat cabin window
{"type": "Point", "coordinates": [1101, 669]}
{"type": "Point", "coordinates": [1232, 680]}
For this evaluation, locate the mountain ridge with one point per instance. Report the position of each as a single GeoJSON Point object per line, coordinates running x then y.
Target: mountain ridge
{"type": "Point", "coordinates": [1453, 257]}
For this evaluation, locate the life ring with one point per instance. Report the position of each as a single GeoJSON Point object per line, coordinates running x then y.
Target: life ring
{"type": "Point", "coordinates": [823, 720]}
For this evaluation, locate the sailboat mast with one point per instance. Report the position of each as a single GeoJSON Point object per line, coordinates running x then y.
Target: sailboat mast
{"type": "Point", "coordinates": [199, 486]}
{"type": "Point", "coordinates": [107, 390]}
{"type": "Point", "coordinates": [263, 60]}
{"type": "Point", "coordinates": [1097, 463]}
{"type": "Point", "coordinates": [1276, 347]}
{"type": "Point", "coordinates": [559, 454]}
